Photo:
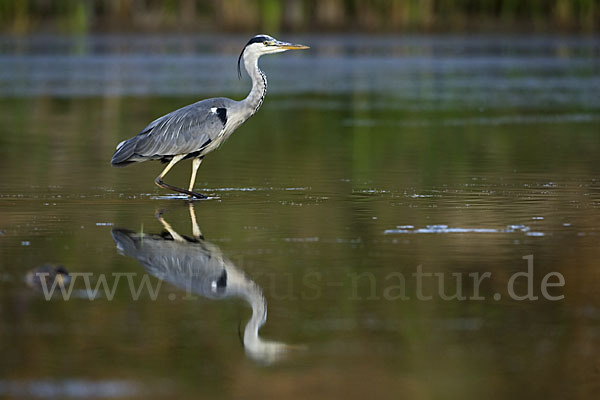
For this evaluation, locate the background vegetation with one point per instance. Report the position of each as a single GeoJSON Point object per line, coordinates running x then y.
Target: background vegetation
{"type": "Point", "coordinates": [81, 16]}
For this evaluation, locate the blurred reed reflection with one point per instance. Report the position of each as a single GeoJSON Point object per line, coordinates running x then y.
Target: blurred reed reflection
{"type": "Point", "coordinates": [197, 266]}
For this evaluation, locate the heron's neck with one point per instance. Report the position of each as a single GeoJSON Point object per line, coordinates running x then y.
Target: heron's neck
{"type": "Point", "coordinates": [259, 84]}
{"type": "Point", "coordinates": [259, 315]}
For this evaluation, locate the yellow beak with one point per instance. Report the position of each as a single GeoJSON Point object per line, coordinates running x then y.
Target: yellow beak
{"type": "Point", "coordinates": [289, 46]}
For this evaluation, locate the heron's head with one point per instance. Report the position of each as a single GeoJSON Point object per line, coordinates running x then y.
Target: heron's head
{"type": "Point", "coordinates": [265, 44]}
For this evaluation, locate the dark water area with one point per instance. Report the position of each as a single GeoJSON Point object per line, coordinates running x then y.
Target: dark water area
{"type": "Point", "coordinates": [373, 162]}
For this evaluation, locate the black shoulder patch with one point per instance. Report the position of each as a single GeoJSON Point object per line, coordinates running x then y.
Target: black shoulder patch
{"type": "Point", "coordinates": [222, 114]}
{"type": "Point", "coordinates": [222, 281]}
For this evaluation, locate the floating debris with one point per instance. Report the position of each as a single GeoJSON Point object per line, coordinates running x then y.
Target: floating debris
{"type": "Point", "coordinates": [299, 240]}
{"type": "Point", "coordinates": [47, 273]}
{"type": "Point", "coordinates": [538, 234]}
{"type": "Point", "coordinates": [409, 229]}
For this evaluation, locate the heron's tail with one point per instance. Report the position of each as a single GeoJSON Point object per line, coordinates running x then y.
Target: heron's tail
{"type": "Point", "coordinates": [124, 152]}
{"type": "Point", "coordinates": [125, 241]}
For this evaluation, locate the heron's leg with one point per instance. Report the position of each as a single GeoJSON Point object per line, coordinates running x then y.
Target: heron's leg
{"type": "Point", "coordinates": [195, 228]}
{"type": "Point", "coordinates": [176, 236]}
{"type": "Point", "coordinates": [173, 161]}
{"type": "Point", "coordinates": [195, 164]}
{"type": "Point", "coordinates": [159, 182]}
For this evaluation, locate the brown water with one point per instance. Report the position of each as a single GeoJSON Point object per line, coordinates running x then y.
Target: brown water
{"type": "Point", "coordinates": [380, 158]}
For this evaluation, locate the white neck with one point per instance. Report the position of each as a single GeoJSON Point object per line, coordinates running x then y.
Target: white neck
{"type": "Point", "coordinates": [259, 84]}
{"type": "Point", "coordinates": [265, 351]}
{"type": "Point", "coordinates": [253, 295]}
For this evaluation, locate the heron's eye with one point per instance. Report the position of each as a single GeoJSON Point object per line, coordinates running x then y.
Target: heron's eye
{"type": "Point", "coordinates": [268, 43]}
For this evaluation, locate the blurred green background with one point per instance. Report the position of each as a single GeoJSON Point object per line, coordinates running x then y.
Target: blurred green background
{"type": "Point", "coordinates": [81, 16]}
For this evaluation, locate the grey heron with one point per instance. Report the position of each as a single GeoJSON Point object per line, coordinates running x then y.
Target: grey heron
{"type": "Point", "coordinates": [198, 266]}
{"type": "Point", "coordinates": [199, 128]}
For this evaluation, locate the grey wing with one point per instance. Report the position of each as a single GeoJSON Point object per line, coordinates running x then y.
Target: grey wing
{"type": "Point", "coordinates": [183, 131]}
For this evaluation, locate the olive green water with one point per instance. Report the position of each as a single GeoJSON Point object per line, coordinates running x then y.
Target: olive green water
{"type": "Point", "coordinates": [329, 200]}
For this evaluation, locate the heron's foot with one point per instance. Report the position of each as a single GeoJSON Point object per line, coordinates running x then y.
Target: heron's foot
{"type": "Point", "coordinates": [159, 182]}
{"type": "Point", "coordinates": [196, 195]}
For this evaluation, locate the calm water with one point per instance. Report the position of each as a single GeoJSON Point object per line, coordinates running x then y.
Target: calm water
{"type": "Point", "coordinates": [372, 158]}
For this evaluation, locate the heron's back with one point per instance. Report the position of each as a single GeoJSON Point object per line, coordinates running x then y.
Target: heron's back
{"type": "Point", "coordinates": [193, 130]}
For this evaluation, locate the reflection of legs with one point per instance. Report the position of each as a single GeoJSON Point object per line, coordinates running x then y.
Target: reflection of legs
{"type": "Point", "coordinates": [195, 164]}
{"type": "Point", "coordinates": [159, 182]}
{"type": "Point", "coordinates": [176, 236]}
{"type": "Point", "coordinates": [195, 228]}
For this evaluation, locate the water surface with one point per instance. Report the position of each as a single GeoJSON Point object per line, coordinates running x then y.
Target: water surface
{"type": "Point", "coordinates": [372, 158]}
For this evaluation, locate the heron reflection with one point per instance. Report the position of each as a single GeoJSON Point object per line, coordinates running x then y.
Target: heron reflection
{"type": "Point", "coordinates": [199, 267]}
